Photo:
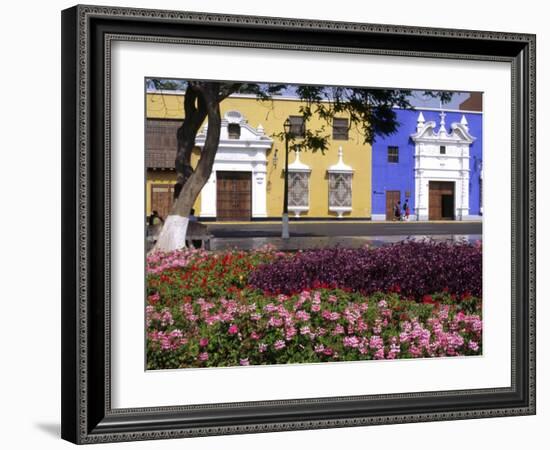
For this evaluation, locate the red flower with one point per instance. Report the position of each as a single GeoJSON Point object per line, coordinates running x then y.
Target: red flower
{"type": "Point", "coordinates": [428, 300]}
{"type": "Point", "coordinates": [395, 288]}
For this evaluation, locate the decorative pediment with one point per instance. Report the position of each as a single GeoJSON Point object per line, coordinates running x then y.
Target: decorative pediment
{"type": "Point", "coordinates": [298, 165]}
{"type": "Point", "coordinates": [236, 131]}
{"type": "Point", "coordinates": [427, 132]}
{"type": "Point", "coordinates": [340, 167]}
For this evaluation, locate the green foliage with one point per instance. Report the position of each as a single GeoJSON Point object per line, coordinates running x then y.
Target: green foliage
{"type": "Point", "coordinates": [369, 110]}
{"type": "Point", "coordinates": [205, 314]}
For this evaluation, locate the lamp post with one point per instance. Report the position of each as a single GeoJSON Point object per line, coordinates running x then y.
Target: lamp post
{"type": "Point", "coordinates": [286, 234]}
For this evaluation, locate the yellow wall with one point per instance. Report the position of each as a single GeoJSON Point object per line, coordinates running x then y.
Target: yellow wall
{"type": "Point", "coordinates": [165, 177]}
{"type": "Point", "coordinates": [271, 115]}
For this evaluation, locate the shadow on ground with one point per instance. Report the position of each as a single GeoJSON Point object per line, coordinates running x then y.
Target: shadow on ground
{"type": "Point", "coordinates": [53, 429]}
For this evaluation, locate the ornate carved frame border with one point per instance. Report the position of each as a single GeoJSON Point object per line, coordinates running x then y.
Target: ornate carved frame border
{"type": "Point", "coordinates": [87, 34]}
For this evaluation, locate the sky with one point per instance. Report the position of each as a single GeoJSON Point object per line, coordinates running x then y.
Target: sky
{"type": "Point", "coordinates": [423, 102]}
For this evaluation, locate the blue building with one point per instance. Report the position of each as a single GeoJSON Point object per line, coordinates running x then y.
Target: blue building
{"type": "Point", "coordinates": [434, 162]}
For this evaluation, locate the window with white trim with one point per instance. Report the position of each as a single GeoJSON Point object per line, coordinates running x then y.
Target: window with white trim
{"type": "Point", "coordinates": [298, 189]}
{"type": "Point", "coordinates": [340, 190]}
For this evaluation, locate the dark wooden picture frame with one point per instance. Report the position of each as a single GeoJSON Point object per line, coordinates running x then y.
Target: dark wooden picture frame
{"type": "Point", "coordinates": [87, 415]}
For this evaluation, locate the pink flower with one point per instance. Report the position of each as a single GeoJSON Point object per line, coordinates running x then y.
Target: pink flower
{"type": "Point", "coordinates": [254, 336]}
{"type": "Point", "coordinates": [203, 342]}
{"type": "Point", "coordinates": [233, 329]}
{"type": "Point", "coordinates": [302, 315]}
{"type": "Point", "coordinates": [329, 315]}
{"type": "Point", "coordinates": [279, 344]}
{"type": "Point", "coordinates": [319, 348]}
{"type": "Point", "coordinates": [154, 298]}
{"type": "Point", "coordinates": [394, 351]}
{"type": "Point", "coordinates": [473, 345]}
{"type": "Point", "coordinates": [290, 332]}
{"type": "Point", "coordinates": [376, 342]}
{"type": "Point", "coordinates": [203, 356]}
{"type": "Point", "coordinates": [351, 341]}
{"type": "Point", "coordinates": [262, 347]}
{"type": "Point", "coordinates": [244, 362]}
{"type": "Point", "coordinates": [275, 322]}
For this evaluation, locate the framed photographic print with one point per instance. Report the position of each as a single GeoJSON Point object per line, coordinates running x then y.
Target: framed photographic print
{"type": "Point", "coordinates": [282, 224]}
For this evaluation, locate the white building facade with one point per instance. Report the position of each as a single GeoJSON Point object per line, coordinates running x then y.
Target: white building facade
{"type": "Point", "coordinates": [242, 150]}
{"type": "Point", "coordinates": [442, 169]}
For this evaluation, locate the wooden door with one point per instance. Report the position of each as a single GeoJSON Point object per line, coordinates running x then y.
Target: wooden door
{"type": "Point", "coordinates": [441, 200]}
{"type": "Point", "coordinates": [161, 198]}
{"type": "Point", "coordinates": [234, 195]}
{"type": "Point", "coordinates": [392, 197]}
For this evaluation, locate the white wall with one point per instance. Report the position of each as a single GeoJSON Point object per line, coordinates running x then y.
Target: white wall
{"type": "Point", "coordinates": [30, 264]}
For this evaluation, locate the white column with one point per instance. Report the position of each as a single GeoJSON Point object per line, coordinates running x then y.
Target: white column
{"type": "Point", "coordinates": [464, 205]}
{"type": "Point", "coordinates": [259, 193]}
{"type": "Point", "coordinates": [421, 196]}
{"type": "Point", "coordinates": [208, 196]}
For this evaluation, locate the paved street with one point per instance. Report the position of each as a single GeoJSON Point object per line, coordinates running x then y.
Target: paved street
{"type": "Point", "coordinates": [355, 228]}
{"type": "Point", "coordinates": [306, 235]}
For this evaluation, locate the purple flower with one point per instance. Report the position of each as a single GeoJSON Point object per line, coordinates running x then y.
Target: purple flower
{"type": "Point", "coordinates": [416, 268]}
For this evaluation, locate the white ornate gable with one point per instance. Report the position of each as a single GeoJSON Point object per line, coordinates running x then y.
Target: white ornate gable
{"type": "Point", "coordinates": [442, 155]}
{"type": "Point", "coordinates": [243, 152]}
{"type": "Point", "coordinates": [249, 136]}
{"type": "Point", "coordinates": [427, 132]}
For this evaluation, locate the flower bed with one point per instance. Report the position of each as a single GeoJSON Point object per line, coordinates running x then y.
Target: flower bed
{"type": "Point", "coordinates": [202, 311]}
{"type": "Point", "coordinates": [413, 269]}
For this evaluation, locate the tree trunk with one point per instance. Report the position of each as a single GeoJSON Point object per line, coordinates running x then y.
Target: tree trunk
{"type": "Point", "coordinates": [195, 113]}
{"type": "Point", "coordinates": [173, 233]}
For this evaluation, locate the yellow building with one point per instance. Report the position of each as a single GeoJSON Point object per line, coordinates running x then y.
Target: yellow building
{"type": "Point", "coordinates": [247, 182]}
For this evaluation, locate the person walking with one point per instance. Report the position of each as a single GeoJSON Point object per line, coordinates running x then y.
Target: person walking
{"type": "Point", "coordinates": [155, 219]}
{"type": "Point", "coordinates": [406, 210]}
{"type": "Point", "coordinates": [397, 210]}
{"type": "Point", "coordinates": [154, 222]}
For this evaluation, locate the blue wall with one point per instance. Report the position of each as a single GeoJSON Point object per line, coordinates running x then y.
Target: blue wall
{"type": "Point", "coordinates": [400, 176]}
